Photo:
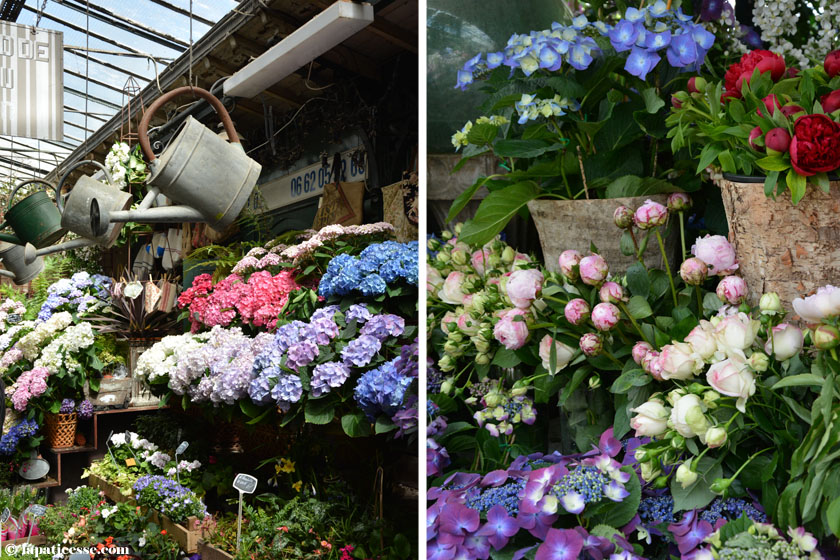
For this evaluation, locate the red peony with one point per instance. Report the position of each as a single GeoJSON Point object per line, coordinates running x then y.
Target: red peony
{"type": "Point", "coordinates": [769, 103]}
{"type": "Point", "coordinates": [832, 63]}
{"type": "Point", "coordinates": [777, 139]}
{"type": "Point", "coordinates": [815, 147]}
{"type": "Point", "coordinates": [742, 70]}
{"type": "Point", "coordinates": [754, 135]}
{"type": "Point", "coordinates": [831, 101]}
{"type": "Point", "coordinates": [792, 109]}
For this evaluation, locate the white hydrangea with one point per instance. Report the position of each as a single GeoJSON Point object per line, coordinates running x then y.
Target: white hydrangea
{"type": "Point", "coordinates": [59, 351]}
{"type": "Point", "coordinates": [116, 162]}
{"type": "Point", "coordinates": [159, 459]}
{"type": "Point", "coordinates": [30, 344]}
{"type": "Point", "coordinates": [162, 359]}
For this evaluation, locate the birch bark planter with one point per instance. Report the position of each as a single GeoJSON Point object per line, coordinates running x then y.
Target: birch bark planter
{"type": "Point", "coordinates": [575, 224]}
{"type": "Point", "coordinates": [210, 552]}
{"type": "Point", "coordinates": [791, 250]}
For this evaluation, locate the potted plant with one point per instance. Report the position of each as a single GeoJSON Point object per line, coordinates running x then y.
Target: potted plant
{"type": "Point", "coordinates": [574, 116]}
{"type": "Point", "coordinates": [773, 131]}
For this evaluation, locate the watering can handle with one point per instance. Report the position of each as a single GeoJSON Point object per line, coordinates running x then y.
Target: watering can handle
{"type": "Point", "coordinates": [73, 168]}
{"type": "Point", "coordinates": [143, 129]}
{"type": "Point", "coordinates": [33, 181]}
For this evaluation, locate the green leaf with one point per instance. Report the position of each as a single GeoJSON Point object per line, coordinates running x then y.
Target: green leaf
{"type": "Point", "coordinates": [821, 180]}
{"type": "Point", "coordinates": [638, 280]}
{"type": "Point", "coordinates": [786, 511]}
{"type": "Point", "coordinates": [496, 211]}
{"type": "Point", "coordinates": [524, 148]}
{"type": "Point", "coordinates": [727, 163]}
{"type": "Point", "coordinates": [707, 155]}
{"type": "Point", "coordinates": [383, 425]}
{"type": "Point", "coordinates": [628, 249]}
{"type": "Point", "coordinates": [773, 163]}
{"type": "Point", "coordinates": [711, 302]}
{"type": "Point", "coordinates": [619, 514]}
{"type": "Point", "coordinates": [833, 515]}
{"type": "Point", "coordinates": [797, 184]}
{"type": "Point", "coordinates": [770, 183]}
{"type": "Point", "coordinates": [639, 308]}
{"type": "Point", "coordinates": [463, 199]}
{"type": "Point", "coordinates": [319, 411]}
{"type": "Point", "coordinates": [355, 424]}
{"type": "Point", "coordinates": [505, 358]}
{"type": "Point", "coordinates": [249, 409]}
{"type": "Point", "coordinates": [801, 380]}
{"type": "Point", "coordinates": [481, 134]}
{"type": "Point", "coordinates": [697, 495]}
{"type": "Point", "coordinates": [630, 379]}
{"type": "Point", "coordinates": [653, 103]}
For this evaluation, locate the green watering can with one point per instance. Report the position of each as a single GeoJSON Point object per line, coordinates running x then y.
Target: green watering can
{"type": "Point", "coordinates": [35, 219]}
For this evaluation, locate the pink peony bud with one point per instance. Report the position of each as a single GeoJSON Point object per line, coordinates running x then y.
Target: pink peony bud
{"type": "Point", "coordinates": [675, 102]}
{"type": "Point", "coordinates": [777, 141]}
{"type": "Point", "coordinates": [693, 271]}
{"type": "Point", "coordinates": [605, 316]}
{"type": "Point", "coordinates": [696, 84]}
{"type": "Point", "coordinates": [591, 344]}
{"type": "Point", "coordinates": [770, 103]}
{"type": "Point", "coordinates": [524, 286]}
{"type": "Point", "coordinates": [791, 109]}
{"type": "Point", "coordinates": [640, 350]}
{"type": "Point", "coordinates": [679, 202]}
{"type": "Point", "coordinates": [593, 270]}
{"type": "Point", "coordinates": [612, 292]}
{"type": "Point", "coordinates": [623, 217]}
{"type": "Point", "coordinates": [576, 311]}
{"type": "Point", "coordinates": [732, 290]}
{"type": "Point", "coordinates": [648, 359]}
{"type": "Point", "coordinates": [569, 261]}
{"type": "Point", "coordinates": [754, 134]}
{"type": "Point", "coordinates": [512, 330]}
{"type": "Point", "coordinates": [650, 214]}
{"type": "Point", "coordinates": [717, 253]}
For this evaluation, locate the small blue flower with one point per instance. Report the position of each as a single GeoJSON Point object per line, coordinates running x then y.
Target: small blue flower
{"type": "Point", "coordinates": [640, 62]}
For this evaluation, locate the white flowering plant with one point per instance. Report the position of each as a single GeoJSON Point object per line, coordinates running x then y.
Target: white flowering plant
{"type": "Point", "coordinates": [126, 165]}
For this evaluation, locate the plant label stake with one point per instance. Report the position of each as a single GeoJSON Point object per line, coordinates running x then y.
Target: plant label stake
{"type": "Point", "coordinates": [5, 515]}
{"type": "Point", "coordinates": [108, 445]}
{"type": "Point", "coordinates": [34, 511]}
{"type": "Point", "coordinates": [246, 484]}
{"type": "Point", "coordinates": [180, 451]}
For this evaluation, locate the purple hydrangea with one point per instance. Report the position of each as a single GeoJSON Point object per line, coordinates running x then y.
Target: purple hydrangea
{"type": "Point", "coordinates": [321, 330]}
{"type": "Point", "coordinates": [384, 326]}
{"type": "Point", "coordinates": [301, 354]}
{"type": "Point", "coordinates": [381, 391]}
{"type": "Point", "coordinates": [85, 409]}
{"type": "Point", "coordinates": [260, 387]}
{"type": "Point", "coordinates": [11, 439]}
{"type": "Point", "coordinates": [68, 406]}
{"type": "Point", "coordinates": [288, 335]}
{"type": "Point", "coordinates": [358, 313]}
{"type": "Point", "coordinates": [327, 376]}
{"type": "Point", "coordinates": [360, 352]}
{"type": "Point", "coordinates": [287, 391]}
{"type": "Point", "coordinates": [327, 312]}
{"type": "Point", "coordinates": [78, 294]}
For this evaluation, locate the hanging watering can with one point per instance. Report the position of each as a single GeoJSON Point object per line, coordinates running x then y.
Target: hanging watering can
{"type": "Point", "coordinates": [13, 260]}
{"type": "Point", "coordinates": [76, 213]}
{"type": "Point", "coordinates": [35, 219]}
{"type": "Point", "coordinates": [198, 168]}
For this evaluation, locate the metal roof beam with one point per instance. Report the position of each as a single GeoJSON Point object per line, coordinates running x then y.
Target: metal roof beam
{"type": "Point", "coordinates": [80, 127]}
{"type": "Point", "coordinates": [80, 112]}
{"type": "Point", "coordinates": [108, 65]}
{"type": "Point", "coordinates": [126, 24]}
{"type": "Point", "coordinates": [99, 100]}
{"type": "Point", "coordinates": [22, 165]}
{"type": "Point", "coordinates": [183, 12]}
{"type": "Point", "coordinates": [95, 81]}
{"type": "Point", "coordinates": [80, 29]}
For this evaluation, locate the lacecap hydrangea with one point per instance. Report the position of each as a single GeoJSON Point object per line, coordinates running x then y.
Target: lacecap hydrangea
{"type": "Point", "coordinates": [370, 273]}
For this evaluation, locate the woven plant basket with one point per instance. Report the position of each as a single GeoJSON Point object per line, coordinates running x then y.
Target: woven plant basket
{"type": "Point", "coordinates": [61, 430]}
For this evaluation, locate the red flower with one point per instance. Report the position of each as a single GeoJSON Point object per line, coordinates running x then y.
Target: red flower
{"type": "Point", "coordinates": [742, 70]}
{"type": "Point", "coordinates": [832, 63]}
{"type": "Point", "coordinates": [830, 101]}
{"type": "Point", "coordinates": [815, 147]}
{"type": "Point", "coordinates": [163, 532]}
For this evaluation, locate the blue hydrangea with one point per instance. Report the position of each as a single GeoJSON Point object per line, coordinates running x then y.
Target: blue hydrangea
{"type": "Point", "coordinates": [377, 266]}
{"type": "Point", "coordinates": [657, 509]}
{"type": "Point", "coordinates": [287, 391]}
{"type": "Point", "coordinates": [287, 335]}
{"type": "Point", "coordinates": [327, 312]}
{"type": "Point", "coordinates": [506, 496]}
{"type": "Point", "coordinates": [360, 352]}
{"type": "Point", "coordinates": [328, 376]}
{"type": "Point", "coordinates": [357, 312]}
{"type": "Point", "coordinates": [21, 430]}
{"type": "Point", "coordinates": [321, 330]}
{"type": "Point", "coordinates": [381, 391]}
{"type": "Point", "coordinates": [78, 294]}
{"type": "Point", "coordinates": [588, 481]}
{"type": "Point", "coordinates": [730, 509]}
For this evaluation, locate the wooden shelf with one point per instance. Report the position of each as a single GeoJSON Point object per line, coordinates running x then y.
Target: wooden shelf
{"type": "Point", "coordinates": [130, 409]}
{"type": "Point", "coordinates": [74, 449]}
{"type": "Point", "coordinates": [48, 483]}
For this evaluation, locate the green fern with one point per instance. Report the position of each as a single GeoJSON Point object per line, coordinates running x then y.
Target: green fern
{"type": "Point", "coordinates": [55, 268]}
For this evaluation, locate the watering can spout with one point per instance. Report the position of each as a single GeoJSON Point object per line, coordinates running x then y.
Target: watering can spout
{"type": "Point", "coordinates": [31, 254]}
{"type": "Point", "coordinates": [101, 218]}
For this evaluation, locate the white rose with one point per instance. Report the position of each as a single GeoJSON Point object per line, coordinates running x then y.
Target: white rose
{"type": "Point", "coordinates": [434, 281]}
{"type": "Point", "coordinates": [736, 333]}
{"type": "Point", "coordinates": [732, 378]}
{"type": "Point", "coordinates": [687, 416]}
{"type": "Point", "coordinates": [679, 361]}
{"type": "Point", "coordinates": [452, 292]}
{"type": "Point", "coordinates": [651, 419]}
{"type": "Point", "coordinates": [702, 340]}
{"type": "Point", "coordinates": [785, 342]}
{"type": "Point", "coordinates": [563, 354]}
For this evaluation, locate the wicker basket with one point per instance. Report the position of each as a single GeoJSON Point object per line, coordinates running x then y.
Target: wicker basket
{"type": "Point", "coordinates": [61, 430]}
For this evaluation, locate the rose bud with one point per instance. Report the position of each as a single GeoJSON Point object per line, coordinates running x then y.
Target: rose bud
{"type": "Point", "coordinates": [675, 102]}
{"type": "Point", "coordinates": [715, 436]}
{"type": "Point", "coordinates": [831, 101]}
{"type": "Point", "coordinates": [605, 316]}
{"type": "Point", "coordinates": [771, 102]}
{"type": "Point", "coordinates": [754, 135]}
{"type": "Point", "coordinates": [832, 63]}
{"type": "Point", "coordinates": [770, 303]}
{"type": "Point", "coordinates": [826, 337]}
{"type": "Point", "coordinates": [685, 476]}
{"type": "Point", "coordinates": [640, 350]}
{"type": "Point", "coordinates": [759, 362]}
{"type": "Point", "coordinates": [650, 214]}
{"type": "Point", "coordinates": [612, 292]}
{"type": "Point", "coordinates": [576, 311]}
{"type": "Point", "coordinates": [651, 419]}
{"type": "Point", "coordinates": [777, 141]}
{"type": "Point", "coordinates": [792, 109]}
{"type": "Point", "coordinates": [693, 271]}
{"type": "Point", "coordinates": [720, 485]}
{"type": "Point", "coordinates": [648, 359]}
{"type": "Point", "coordinates": [696, 84]}
{"type": "Point", "coordinates": [785, 341]}
{"type": "Point", "coordinates": [593, 270]}
{"type": "Point", "coordinates": [569, 261]}
{"type": "Point", "coordinates": [623, 217]}
{"type": "Point", "coordinates": [679, 202]}
{"type": "Point", "coordinates": [591, 344]}
{"type": "Point", "coordinates": [732, 290]}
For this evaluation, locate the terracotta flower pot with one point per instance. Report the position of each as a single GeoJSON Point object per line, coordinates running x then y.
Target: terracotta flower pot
{"type": "Point", "coordinates": [781, 247]}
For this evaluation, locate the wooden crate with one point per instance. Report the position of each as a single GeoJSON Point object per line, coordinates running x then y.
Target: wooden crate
{"type": "Point", "coordinates": [210, 552]}
{"type": "Point", "coordinates": [112, 492]}
{"type": "Point", "coordinates": [37, 540]}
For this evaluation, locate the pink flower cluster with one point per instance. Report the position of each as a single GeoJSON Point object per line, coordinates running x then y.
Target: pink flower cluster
{"type": "Point", "coordinates": [29, 385]}
{"type": "Point", "coordinates": [257, 301]}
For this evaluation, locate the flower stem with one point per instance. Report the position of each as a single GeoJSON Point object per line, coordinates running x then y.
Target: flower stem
{"type": "Point", "coordinates": [557, 300]}
{"type": "Point", "coordinates": [611, 357]}
{"type": "Point", "coordinates": [667, 265]}
{"type": "Point", "coordinates": [682, 233]}
{"type": "Point", "coordinates": [636, 245]}
{"type": "Point", "coordinates": [699, 301]}
{"type": "Point", "coordinates": [632, 320]}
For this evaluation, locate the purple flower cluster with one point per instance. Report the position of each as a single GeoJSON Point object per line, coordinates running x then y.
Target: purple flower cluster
{"type": "Point", "coordinates": [168, 497]}
{"type": "Point", "coordinates": [68, 406]}
{"type": "Point", "coordinates": [78, 294]}
{"type": "Point", "coordinates": [85, 409]}
{"type": "Point", "coordinates": [384, 326]}
{"type": "Point", "coordinates": [11, 439]}
{"type": "Point", "coordinates": [328, 376]}
{"type": "Point", "coordinates": [530, 495]}
{"type": "Point", "coordinates": [382, 390]}
{"type": "Point", "coordinates": [360, 352]}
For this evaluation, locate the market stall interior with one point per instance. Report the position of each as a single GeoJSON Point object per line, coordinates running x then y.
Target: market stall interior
{"type": "Point", "coordinates": [208, 314]}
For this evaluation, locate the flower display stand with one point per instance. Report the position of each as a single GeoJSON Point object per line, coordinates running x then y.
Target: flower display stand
{"type": "Point", "coordinates": [37, 540]}
{"type": "Point", "coordinates": [578, 224]}
{"type": "Point", "coordinates": [210, 552]}
{"type": "Point", "coordinates": [783, 248]}
{"type": "Point", "coordinates": [187, 537]}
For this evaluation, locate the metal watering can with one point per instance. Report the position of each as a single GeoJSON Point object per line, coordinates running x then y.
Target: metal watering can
{"type": "Point", "coordinates": [198, 168]}
{"type": "Point", "coordinates": [13, 259]}
{"type": "Point", "coordinates": [35, 219]}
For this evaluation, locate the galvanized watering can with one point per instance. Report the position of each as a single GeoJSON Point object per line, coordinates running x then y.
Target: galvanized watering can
{"type": "Point", "coordinates": [76, 214]}
{"type": "Point", "coordinates": [199, 169]}
{"type": "Point", "coordinates": [35, 219]}
{"type": "Point", "coordinates": [13, 260]}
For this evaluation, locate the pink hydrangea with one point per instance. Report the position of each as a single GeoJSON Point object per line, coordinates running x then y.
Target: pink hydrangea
{"type": "Point", "coordinates": [30, 384]}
